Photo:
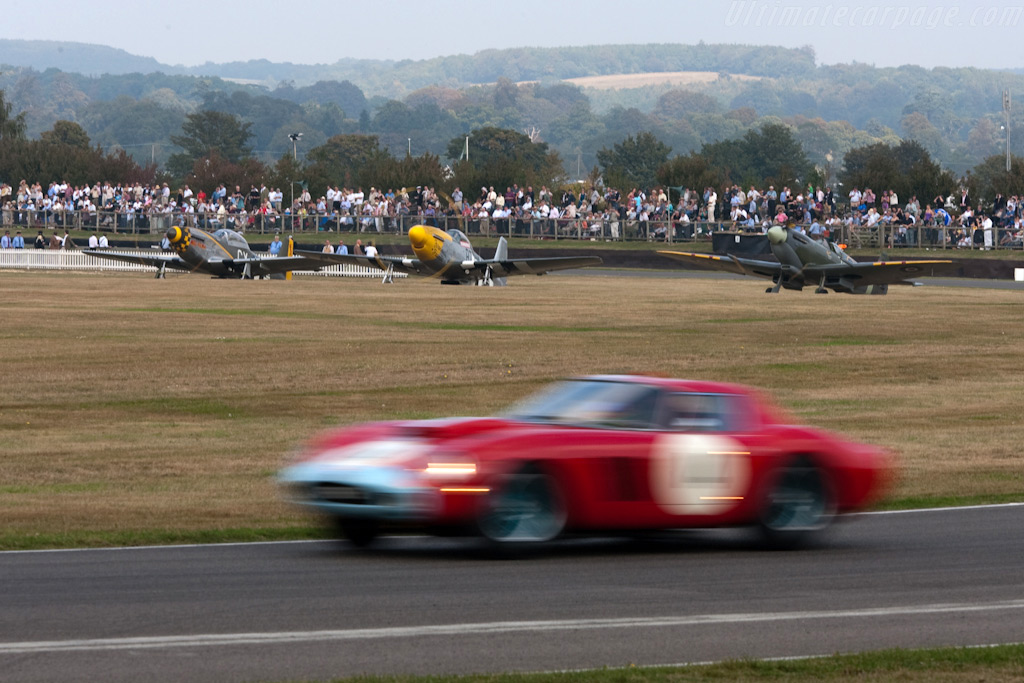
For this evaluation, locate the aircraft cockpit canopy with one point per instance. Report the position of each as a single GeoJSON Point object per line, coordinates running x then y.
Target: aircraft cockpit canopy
{"type": "Point", "coordinates": [843, 256]}
{"type": "Point", "coordinates": [231, 238]}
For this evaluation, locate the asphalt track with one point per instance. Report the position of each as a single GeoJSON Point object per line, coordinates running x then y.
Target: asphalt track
{"type": "Point", "coordinates": [315, 610]}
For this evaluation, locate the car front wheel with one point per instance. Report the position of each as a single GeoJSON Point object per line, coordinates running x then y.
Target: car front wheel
{"type": "Point", "coordinates": [526, 507]}
{"type": "Point", "coordinates": [359, 532]}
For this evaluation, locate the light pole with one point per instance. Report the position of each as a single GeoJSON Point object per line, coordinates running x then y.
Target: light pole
{"type": "Point", "coordinates": [1006, 110]}
{"type": "Point", "coordinates": [294, 137]}
{"type": "Point", "coordinates": [409, 151]}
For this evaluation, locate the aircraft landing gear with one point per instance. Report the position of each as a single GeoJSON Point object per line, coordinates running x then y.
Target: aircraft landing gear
{"type": "Point", "coordinates": [821, 287]}
{"type": "Point", "coordinates": [161, 271]}
{"type": "Point", "coordinates": [774, 289]}
{"type": "Point", "coordinates": [389, 275]}
{"type": "Point", "coordinates": [486, 280]}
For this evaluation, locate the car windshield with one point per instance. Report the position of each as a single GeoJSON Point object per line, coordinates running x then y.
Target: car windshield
{"type": "Point", "coordinates": [591, 402]}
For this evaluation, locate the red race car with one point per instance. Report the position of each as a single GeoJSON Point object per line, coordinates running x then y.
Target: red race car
{"type": "Point", "coordinates": [594, 455]}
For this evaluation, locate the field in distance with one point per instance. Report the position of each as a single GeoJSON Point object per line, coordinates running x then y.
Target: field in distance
{"type": "Point", "coordinates": [642, 80]}
{"type": "Point", "coordinates": [145, 411]}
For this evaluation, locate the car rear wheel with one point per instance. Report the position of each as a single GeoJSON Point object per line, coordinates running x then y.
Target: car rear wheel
{"type": "Point", "coordinates": [527, 507]}
{"type": "Point", "coordinates": [359, 532]}
{"type": "Point", "coordinates": [799, 503]}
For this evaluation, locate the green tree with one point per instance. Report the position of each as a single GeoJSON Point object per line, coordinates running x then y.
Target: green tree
{"type": "Point", "coordinates": [503, 157]}
{"type": "Point", "coordinates": [66, 133]}
{"type": "Point", "coordinates": [634, 162]}
{"type": "Point", "coordinates": [693, 171]}
{"type": "Point", "coordinates": [345, 159]}
{"type": "Point", "coordinates": [775, 155]}
{"type": "Point", "coordinates": [11, 127]}
{"type": "Point", "coordinates": [208, 172]}
{"type": "Point", "coordinates": [206, 133]}
{"type": "Point", "coordinates": [676, 104]}
{"type": "Point", "coordinates": [990, 177]}
{"type": "Point", "coordinates": [906, 167]}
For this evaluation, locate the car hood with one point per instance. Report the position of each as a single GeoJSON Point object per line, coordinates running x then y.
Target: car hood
{"type": "Point", "coordinates": [453, 427]}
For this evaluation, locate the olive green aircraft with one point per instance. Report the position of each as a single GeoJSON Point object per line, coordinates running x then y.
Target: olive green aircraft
{"type": "Point", "coordinates": [804, 261]}
{"type": "Point", "coordinates": [222, 253]}
{"type": "Point", "coordinates": [448, 256]}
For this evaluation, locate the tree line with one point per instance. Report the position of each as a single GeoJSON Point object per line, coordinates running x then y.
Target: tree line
{"type": "Point", "coordinates": [216, 150]}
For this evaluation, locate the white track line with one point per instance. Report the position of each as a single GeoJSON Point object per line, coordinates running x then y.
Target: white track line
{"type": "Point", "coordinates": [487, 628]}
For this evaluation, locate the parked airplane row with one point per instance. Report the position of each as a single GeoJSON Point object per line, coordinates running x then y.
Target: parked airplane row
{"type": "Point", "coordinates": [448, 256]}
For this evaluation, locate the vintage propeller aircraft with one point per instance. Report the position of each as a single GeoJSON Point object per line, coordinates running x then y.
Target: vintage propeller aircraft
{"type": "Point", "coordinates": [222, 253]}
{"type": "Point", "coordinates": [449, 257]}
{"type": "Point", "coordinates": [804, 261]}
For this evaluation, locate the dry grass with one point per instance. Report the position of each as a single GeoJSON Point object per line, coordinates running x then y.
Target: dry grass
{"type": "Point", "coordinates": [132, 406]}
{"type": "Point", "coordinates": [674, 78]}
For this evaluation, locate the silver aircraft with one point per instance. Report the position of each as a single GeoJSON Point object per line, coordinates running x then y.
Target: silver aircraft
{"type": "Point", "coordinates": [222, 253]}
{"type": "Point", "coordinates": [804, 261]}
{"type": "Point", "coordinates": [449, 257]}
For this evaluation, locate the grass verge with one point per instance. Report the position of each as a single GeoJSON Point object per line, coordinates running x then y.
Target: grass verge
{"type": "Point", "coordinates": [140, 411]}
{"type": "Point", "coordinates": [996, 664]}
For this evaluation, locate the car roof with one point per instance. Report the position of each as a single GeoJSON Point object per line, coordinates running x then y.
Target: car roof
{"type": "Point", "coordinates": [695, 386]}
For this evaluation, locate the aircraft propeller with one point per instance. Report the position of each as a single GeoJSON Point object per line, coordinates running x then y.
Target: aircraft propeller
{"type": "Point", "coordinates": [180, 238]}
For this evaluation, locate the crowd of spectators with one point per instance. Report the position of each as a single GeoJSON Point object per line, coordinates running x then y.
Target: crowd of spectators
{"type": "Point", "coordinates": [681, 213]}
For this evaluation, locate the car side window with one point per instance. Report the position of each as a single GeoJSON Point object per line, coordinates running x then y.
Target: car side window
{"type": "Point", "coordinates": [688, 412]}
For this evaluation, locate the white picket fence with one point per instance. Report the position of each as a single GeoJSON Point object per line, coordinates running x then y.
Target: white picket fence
{"type": "Point", "coordinates": [72, 259]}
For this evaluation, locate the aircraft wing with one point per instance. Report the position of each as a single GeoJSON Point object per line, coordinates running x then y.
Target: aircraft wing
{"type": "Point", "coordinates": [401, 264]}
{"type": "Point", "coordinates": [881, 272]}
{"type": "Point", "coordinates": [273, 265]}
{"type": "Point", "coordinates": [156, 260]}
{"type": "Point", "coordinates": [535, 266]}
{"type": "Point", "coordinates": [729, 264]}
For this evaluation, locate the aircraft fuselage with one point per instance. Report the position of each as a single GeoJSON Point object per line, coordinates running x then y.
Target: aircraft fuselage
{"type": "Point", "coordinates": [212, 253]}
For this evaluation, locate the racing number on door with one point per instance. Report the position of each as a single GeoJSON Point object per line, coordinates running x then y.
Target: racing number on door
{"type": "Point", "coordinates": [699, 474]}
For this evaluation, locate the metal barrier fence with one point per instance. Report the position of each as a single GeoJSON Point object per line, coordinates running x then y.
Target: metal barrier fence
{"type": "Point", "coordinates": [612, 229]}
{"type": "Point", "coordinates": [71, 259]}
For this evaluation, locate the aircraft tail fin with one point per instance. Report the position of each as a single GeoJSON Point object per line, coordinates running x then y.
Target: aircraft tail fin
{"type": "Point", "coordinates": [501, 254]}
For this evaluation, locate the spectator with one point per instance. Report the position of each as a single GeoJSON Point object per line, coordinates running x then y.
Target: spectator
{"type": "Point", "coordinates": [275, 246]}
{"type": "Point", "coordinates": [18, 242]}
{"type": "Point", "coordinates": [5, 241]}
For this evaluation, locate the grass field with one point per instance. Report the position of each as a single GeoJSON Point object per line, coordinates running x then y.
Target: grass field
{"type": "Point", "coordinates": [642, 80]}
{"type": "Point", "coordinates": [144, 411]}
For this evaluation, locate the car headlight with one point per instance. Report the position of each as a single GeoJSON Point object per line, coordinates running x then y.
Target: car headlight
{"type": "Point", "coordinates": [450, 470]}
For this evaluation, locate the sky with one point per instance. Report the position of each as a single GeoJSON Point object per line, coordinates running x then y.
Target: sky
{"type": "Point", "coordinates": [191, 32]}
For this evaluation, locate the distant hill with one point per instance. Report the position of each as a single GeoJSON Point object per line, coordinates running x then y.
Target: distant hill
{"type": "Point", "coordinates": [82, 58]}
{"type": "Point", "coordinates": [578, 100]}
{"type": "Point", "coordinates": [388, 78]}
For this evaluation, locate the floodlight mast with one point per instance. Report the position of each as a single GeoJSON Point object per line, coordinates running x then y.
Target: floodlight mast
{"type": "Point", "coordinates": [294, 137]}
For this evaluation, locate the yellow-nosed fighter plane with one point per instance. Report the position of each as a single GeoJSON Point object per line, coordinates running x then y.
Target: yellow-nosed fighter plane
{"type": "Point", "coordinates": [449, 257]}
{"type": "Point", "coordinates": [222, 253]}
{"type": "Point", "coordinates": [804, 261]}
